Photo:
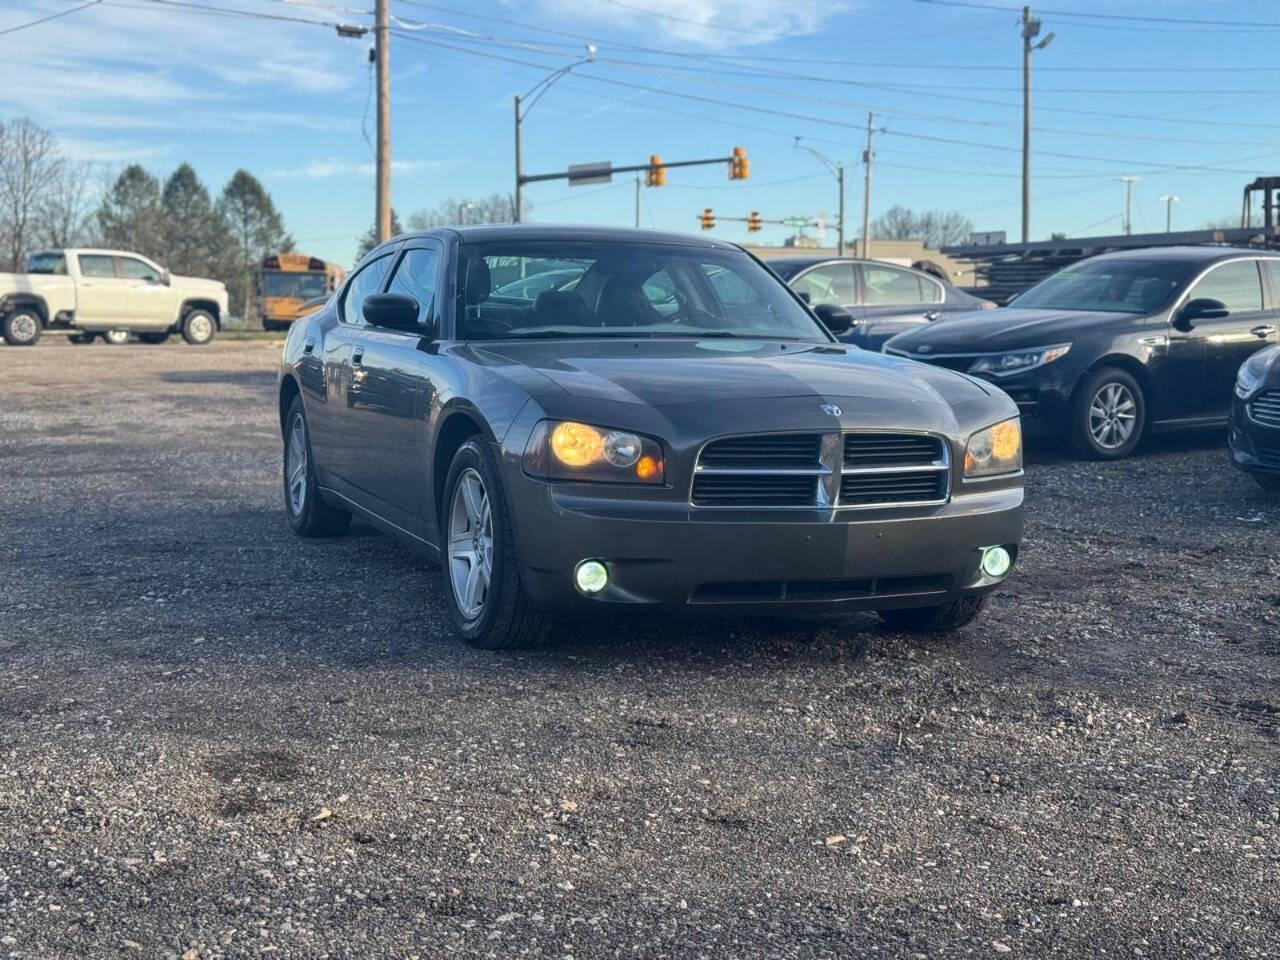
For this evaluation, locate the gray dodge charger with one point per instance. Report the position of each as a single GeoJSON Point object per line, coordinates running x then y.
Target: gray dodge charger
{"type": "Point", "coordinates": [579, 419]}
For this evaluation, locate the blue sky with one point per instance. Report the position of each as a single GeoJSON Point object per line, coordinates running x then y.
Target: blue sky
{"type": "Point", "coordinates": [1184, 106]}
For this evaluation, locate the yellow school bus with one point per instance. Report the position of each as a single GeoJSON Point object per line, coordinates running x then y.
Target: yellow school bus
{"type": "Point", "coordinates": [292, 285]}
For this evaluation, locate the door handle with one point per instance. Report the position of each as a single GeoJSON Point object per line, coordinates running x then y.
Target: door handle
{"type": "Point", "coordinates": [308, 344]}
{"type": "Point", "coordinates": [1263, 331]}
{"type": "Point", "coordinates": [932, 315]}
{"type": "Point", "coordinates": [357, 356]}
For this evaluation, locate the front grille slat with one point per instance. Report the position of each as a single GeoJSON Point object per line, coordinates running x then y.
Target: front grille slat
{"type": "Point", "coordinates": [851, 469]}
{"type": "Point", "coordinates": [1265, 408]}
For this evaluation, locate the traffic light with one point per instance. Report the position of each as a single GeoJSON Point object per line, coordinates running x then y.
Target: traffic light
{"type": "Point", "coordinates": [739, 165]}
{"type": "Point", "coordinates": [753, 221]}
{"type": "Point", "coordinates": [707, 219]}
{"type": "Point", "coordinates": [656, 175]}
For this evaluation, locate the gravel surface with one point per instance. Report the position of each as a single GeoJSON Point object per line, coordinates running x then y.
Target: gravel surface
{"type": "Point", "coordinates": [217, 739]}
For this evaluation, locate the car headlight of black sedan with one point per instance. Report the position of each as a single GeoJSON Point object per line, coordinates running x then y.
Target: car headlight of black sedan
{"type": "Point", "coordinates": [1252, 372]}
{"type": "Point", "coordinates": [1018, 361]}
{"type": "Point", "coordinates": [569, 450]}
{"type": "Point", "coordinates": [994, 451]}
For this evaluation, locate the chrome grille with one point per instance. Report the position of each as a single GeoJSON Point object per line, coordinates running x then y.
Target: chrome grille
{"type": "Point", "coordinates": [1269, 456]}
{"type": "Point", "coordinates": [1265, 408]}
{"type": "Point", "coordinates": [840, 470]}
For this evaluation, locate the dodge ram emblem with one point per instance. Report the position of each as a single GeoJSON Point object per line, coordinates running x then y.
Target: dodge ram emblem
{"type": "Point", "coordinates": [831, 408]}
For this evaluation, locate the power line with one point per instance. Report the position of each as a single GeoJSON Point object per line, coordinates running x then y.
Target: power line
{"type": "Point", "coordinates": [224, 11]}
{"type": "Point", "coordinates": [1133, 18]}
{"type": "Point", "coordinates": [52, 16]}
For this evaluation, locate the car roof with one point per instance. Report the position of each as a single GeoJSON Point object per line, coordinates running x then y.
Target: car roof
{"type": "Point", "coordinates": [1202, 254]}
{"type": "Point", "coordinates": [568, 232]}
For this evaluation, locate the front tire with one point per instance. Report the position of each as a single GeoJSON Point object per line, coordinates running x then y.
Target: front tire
{"type": "Point", "coordinates": [482, 584]}
{"type": "Point", "coordinates": [199, 327]}
{"type": "Point", "coordinates": [307, 511]}
{"type": "Point", "coordinates": [1268, 481]}
{"type": "Point", "coordinates": [1109, 414]}
{"type": "Point", "coordinates": [21, 327]}
{"type": "Point", "coordinates": [944, 619]}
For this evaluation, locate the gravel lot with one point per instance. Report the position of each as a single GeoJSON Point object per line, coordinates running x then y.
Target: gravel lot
{"type": "Point", "coordinates": [219, 740]}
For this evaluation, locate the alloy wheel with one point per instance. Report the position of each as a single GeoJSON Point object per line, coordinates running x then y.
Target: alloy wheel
{"type": "Point", "coordinates": [116, 337]}
{"type": "Point", "coordinates": [24, 327]}
{"type": "Point", "coordinates": [1113, 415]}
{"type": "Point", "coordinates": [470, 543]}
{"type": "Point", "coordinates": [201, 328]}
{"type": "Point", "coordinates": [295, 466]}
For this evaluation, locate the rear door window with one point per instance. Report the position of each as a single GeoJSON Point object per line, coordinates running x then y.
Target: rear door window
{"type": "Point", "coordinates": [97, 265]}
{"type": "Point", "coordinates": [829, 283]}
{"type": "Point", "coordinates": [887, 286]}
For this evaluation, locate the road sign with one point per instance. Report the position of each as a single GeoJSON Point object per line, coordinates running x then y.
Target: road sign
{"type": "Point", "coordinates": [581, 174]}
{"type": "Point", "coordinates": [822, 225]}
{"type": "Point", "coordinates": [989, 239]}
{"type": "Point", "coordinates": [795, 221]}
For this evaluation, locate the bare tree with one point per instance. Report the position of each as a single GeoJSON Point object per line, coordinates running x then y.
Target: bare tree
{"type": "Point", "coordinates": [495, 208]}
{"type": "Point", "coordinates": [934, 228]}
{"type": "Point", "coordinates": [29, 167]}
{"type": "Point", "coordinates": [66, 211]}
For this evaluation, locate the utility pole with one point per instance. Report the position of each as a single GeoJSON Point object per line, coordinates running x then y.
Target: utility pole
{"type": "Point", "coordinates": [382, 38]}
{"type": "Point", "coordinates": [1030, 30]}
{"type": "Point", "coordinates": [1128, 203]}
{"type": "Point", "coordinates": [519, 201]}
{"type": "Point", "coordinates": [866, 189]}
{"type": "Point", "coordinates": [1169, 200]}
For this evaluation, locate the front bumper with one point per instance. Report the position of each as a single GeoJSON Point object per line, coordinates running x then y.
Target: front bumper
{"type": "Point", "coordinates": [671, 556]}
{"type": "Point", "coordinates": [1255, 447]}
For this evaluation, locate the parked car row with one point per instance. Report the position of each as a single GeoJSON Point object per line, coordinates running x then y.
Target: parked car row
{"type": "Point", "coordinates": [111, 294]}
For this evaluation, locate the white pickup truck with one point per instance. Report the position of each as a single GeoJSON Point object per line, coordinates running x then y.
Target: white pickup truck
{"type": "Point", "coordinates": [107, 293]}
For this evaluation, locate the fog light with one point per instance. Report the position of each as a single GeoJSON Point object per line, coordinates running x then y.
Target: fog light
{"type": "Point", "coordinates": [591, 576]}
{"type": "Point", "coordinates": [996, 562]}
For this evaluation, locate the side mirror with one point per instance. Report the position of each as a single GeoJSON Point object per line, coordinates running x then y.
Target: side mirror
{"type": "Point", "coordinates": [1201, 308]}
{"type": "Point", "coordinates": [834, 317]}
{"type": "Point", "coordinates": [166, 278]}
{"type": "Point", "coordinates": [394, 311]}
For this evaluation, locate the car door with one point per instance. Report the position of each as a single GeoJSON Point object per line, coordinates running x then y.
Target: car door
{"type": "Point", "coordinates": [335, 441]}
{"type": "Point", "coordinates": [149, 300]}
{"type": "Point", "coordinates": [893, 300]}
{"type": "Point", "coordinates": [399, 382]}
{"type": "Point", "coordinates": [1227, 342]}
{"type": "Point", "coordinates": [101, 295]}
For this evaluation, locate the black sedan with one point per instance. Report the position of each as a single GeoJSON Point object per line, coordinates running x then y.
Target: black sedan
{"type": "Point", "coordinates": [882, 299]}
{"type": "Point", "coordinates": [676, 432]}
{"type": "Point", "coordinates": [1255, 418]}
{"type": "Point", "coordinates": [1119, 344]}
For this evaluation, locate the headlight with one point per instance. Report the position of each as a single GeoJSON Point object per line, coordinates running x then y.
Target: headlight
{"type": "Point", "coordinates": [1252, 372]}
{"type": "Point", "coordinates": [1019, 361]}
{"type": "Point", "coordinates": [568, 450]}
{"type": "Point", "coordinates": [995, 450]}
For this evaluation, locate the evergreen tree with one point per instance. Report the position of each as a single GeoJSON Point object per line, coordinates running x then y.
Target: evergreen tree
{"type": "Point", "coordinates": [256, 229]}
{"type": "Point", "coordinates": [370, 238]}
{"type": "Point", "coordinates": [197, 240]}
{"type": "Point", "coordinates": [131, 216]}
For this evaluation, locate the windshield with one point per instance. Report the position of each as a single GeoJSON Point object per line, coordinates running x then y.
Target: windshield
{"type": "Point", "coordinates": [529, 289]}
{"type": "Point", "coordinates": [277, 283]}
{"type": "Point", "coordinates": [46, 263]}
{"type": "Point", "coordinates": [1120, 286]}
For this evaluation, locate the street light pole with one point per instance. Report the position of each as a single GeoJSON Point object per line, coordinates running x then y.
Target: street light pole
{"type": "Point", "coordinates": [837, 171]}
{"type": "Point", "coordinates": [1128, 203]}
{"type": "Point", "coordinates": [1169, 200]}
{"type": "Point", "coordinates": [1030, 30]}
{"type": "Point", "coordinates": [535, 92]}
{"type": "Point", "coordinates": [866, 190]}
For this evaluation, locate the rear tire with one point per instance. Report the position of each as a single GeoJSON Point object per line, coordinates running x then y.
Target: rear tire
{"type": "Point", "coordinates": [306, 509]}
{"type": "Point", "coordinates": [199, 327]}
{"type": "Point", "coordinates": [154, 338]}
{"type": "Point", "coordinates": [1268, 481]}
{"type": "Point", "coordinates": [504, 618]}
{"type": "Point", "coordinates": [950, 616]}
{"type": "Point", "coordinates": [116, 337]}
{"type": "Point", "coordinates": [22, 327]}
{"type": "Point", "coordinates": [1109, 413]}
{"type": "Point", "coordinates": [83, 339]}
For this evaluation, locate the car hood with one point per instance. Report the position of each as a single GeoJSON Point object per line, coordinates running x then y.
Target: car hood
{"type": "Point", "coordinates": [663, 373]}
{"type": "Point", "coordinates": [1007, 328]}
{"type": "Point", "coordinates": [197, 283]}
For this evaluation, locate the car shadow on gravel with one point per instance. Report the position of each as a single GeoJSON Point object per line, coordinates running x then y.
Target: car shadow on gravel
{"type": "Point", "coordinates": [259, 380]}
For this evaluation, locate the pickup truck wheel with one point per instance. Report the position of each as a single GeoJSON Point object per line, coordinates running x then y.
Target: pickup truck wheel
{"type": "Point", "coordinates": [950, 616]}
{"type": "Point", "coordinates": [482, 585]}
{"type": "Point", "coordinates": [116, 337]}
{"type": "Point", "coordinates": [308, 514]}
{"type": "Point", "coordinates": [82, 338]}
{"type": "Point", "coordinates": [153, 338]}
{"type": "Point", "coordinates": [21, 327]}
{"type": "Point", "coordinates": [198, 327]}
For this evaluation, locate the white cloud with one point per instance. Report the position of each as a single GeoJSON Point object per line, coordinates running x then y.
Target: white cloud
{"type": "Point", "coordinates": [708, 23]}
{"type": "Point", "coordinates": [323, 168]}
